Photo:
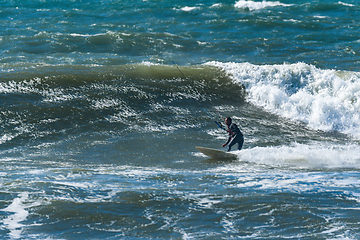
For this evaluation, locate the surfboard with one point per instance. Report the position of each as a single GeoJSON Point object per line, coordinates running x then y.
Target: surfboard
{"type": "Point", "coordinates": [217, 154]}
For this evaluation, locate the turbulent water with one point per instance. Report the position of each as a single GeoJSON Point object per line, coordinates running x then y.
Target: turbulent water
{"type": "Point", "coordinates": [103, 103]}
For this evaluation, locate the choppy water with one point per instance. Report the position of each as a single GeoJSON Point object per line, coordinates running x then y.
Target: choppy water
{"type": "Point", "coordinates": [103, 103]}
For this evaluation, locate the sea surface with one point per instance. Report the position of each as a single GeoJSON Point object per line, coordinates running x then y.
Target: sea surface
{"type": "Point", "coordinates": [103, 102]}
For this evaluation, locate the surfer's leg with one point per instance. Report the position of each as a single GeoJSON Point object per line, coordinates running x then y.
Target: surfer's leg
{"type": "Point", "coordinates": [240, 143]}
{"type": "Point", "coordinates": [232, 143]}
{"type": "Point", "coordinates": [239, 140]}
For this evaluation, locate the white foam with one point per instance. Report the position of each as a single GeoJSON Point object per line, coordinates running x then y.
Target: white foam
{"type": "Point", "coordinates": [320, 17]}
{"type": "Point", "coordinates": [346, 4]}
{"type": "Point", "coordinates": [149, 64]}
{"type": "Point", "coordinates": [5, 138]}
{"type": "Point", "coordinates": [188, 9]}
{"type": "Point", "coordinates": [252, 5]}
{"type": "Point", "coordinates": [300, 156]}
{"type": "Point", "coordinates": [79, 35]}
{"type": "Point", "coordinates": [13, 222]}
{"type": "Point", "coordinates": [216, 5]}
{"type": "Point", "coordinates": [327, 100]}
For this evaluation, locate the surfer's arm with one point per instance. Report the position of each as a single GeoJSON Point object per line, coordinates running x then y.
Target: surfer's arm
{"type": "Point", "coordinates": [229, 139]}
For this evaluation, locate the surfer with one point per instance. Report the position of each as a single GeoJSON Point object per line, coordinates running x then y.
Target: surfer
{"type": "Point", "coordinates": [235, 135]}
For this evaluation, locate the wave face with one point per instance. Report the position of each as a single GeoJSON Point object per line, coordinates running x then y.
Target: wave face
{"type": "Point", "coordinates": [131, 97]}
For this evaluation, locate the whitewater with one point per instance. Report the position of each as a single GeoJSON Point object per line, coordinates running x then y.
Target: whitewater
{"type": "Point", "coordinates": [324, 99]}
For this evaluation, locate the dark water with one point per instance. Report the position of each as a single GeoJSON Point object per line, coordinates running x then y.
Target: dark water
{"type": "Point", "coordinates": [103, 103]}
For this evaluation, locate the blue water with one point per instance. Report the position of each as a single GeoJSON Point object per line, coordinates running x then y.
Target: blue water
{"type": "Point", "coordinates": [103, 103]}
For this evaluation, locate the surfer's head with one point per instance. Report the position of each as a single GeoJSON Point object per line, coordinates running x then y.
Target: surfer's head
{"type": "Point", "coordinates": [228, 121]}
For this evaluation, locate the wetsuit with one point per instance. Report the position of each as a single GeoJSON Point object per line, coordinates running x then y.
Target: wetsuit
{"type": "Point", "coordinates": [236, 135]}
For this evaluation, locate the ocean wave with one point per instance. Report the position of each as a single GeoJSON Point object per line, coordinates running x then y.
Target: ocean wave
{"type": "Point", "coordinates": [44, 100]}
{"type": "Point", "coordinates": [324, 99]}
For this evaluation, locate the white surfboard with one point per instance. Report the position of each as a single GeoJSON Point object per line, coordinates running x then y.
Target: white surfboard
{"type": "Point", "coordinates": [217, 154]}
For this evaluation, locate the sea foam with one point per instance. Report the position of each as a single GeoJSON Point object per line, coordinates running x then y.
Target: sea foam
{"type": "Point", "coordinates": [13, 222]}
{"type": "Point", "coordinates": [326, 100]}
{"type": "Point", "coordinates": [300, 156]}
{"type": "Point", "coordinates": [252, 5]}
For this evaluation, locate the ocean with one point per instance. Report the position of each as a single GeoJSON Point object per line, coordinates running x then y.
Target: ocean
{"type": "Point", "coordinates": [103, 103]}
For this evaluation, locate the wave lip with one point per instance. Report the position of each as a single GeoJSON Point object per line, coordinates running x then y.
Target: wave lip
{"type": "Point", "coordinates": [326, 100]}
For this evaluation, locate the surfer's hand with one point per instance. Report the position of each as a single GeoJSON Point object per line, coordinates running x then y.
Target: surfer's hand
{"type": "Point", "coordinates": [224, 145]}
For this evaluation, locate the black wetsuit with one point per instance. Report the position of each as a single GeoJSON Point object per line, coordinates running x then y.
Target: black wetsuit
{"type": "Point", "coordinates": [236, 135]}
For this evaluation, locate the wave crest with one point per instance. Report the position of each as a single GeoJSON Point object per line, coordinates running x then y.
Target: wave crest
{"type": "Point", "coordinates": [324, 99]}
